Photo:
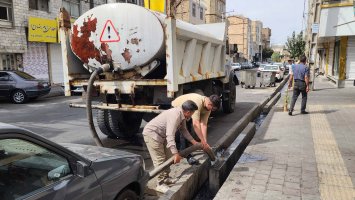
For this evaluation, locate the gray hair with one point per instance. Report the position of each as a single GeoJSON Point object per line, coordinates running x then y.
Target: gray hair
{"type": "Point", "coordinates": [189, 106]}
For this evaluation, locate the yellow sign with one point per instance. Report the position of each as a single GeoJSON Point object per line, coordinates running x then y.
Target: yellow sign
{"type": "Point", "coordinates": [42, 30]}
{"type": "Point", "coordinates": [156, 5]}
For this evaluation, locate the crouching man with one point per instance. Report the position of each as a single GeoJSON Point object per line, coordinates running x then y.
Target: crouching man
{"type": "Point", "coordinates": [159, 136]}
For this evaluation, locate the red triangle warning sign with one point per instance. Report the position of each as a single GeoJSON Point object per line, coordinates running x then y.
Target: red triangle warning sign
{"type": "Point", "coordinates": [109, 33]}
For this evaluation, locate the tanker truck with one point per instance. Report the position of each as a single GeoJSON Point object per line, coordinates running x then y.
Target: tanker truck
{"type": "Point", "coordinates": [146, 59]}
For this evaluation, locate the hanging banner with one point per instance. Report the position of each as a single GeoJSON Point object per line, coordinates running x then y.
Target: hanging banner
{"type": "Point", "coordinates": [42, 30]}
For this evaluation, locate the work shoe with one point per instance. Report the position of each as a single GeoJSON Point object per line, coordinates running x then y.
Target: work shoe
{"type": "Point", "coordinates": [162, 188]}
{"type": "Point", "coordinates": [304, 112]}
{"type": "Point", "coordinates": [169, 181]}
{"type": "Point", "coordinates": [290, 112]}
{"type": "Point", "coordinates": [192, 161]}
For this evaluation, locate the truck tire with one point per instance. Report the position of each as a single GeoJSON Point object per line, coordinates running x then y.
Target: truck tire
{"type": "Point", "coordinates": [103, 123]}
{"type": "Point", "coordinates": [125, 124]}
{"type": "Point", "coordinates": [229, 94]}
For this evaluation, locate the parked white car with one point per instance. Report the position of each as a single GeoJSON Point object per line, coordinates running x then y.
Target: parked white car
{"type": "Point", "coordinates": [275, 68]}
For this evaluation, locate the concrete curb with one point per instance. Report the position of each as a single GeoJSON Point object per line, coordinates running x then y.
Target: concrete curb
{"type": "Point", "coordinates": [195, 180]}
{"type": "Point", "coordinates": [219, 172]}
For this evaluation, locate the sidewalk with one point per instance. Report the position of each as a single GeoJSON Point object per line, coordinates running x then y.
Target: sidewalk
{"type": "Point", "coordinates": [301, 156]}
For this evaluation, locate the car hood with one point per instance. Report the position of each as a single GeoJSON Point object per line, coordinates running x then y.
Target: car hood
{"type": "Point", "coordinates": [94, 153]}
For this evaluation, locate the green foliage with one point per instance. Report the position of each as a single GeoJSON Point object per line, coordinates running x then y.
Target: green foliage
{"type": "Point", "coordinates": [276, 57]}
{"type": "Point", "coordinates": [267, 53]}
{"type": "Point", "coordinates": [295, 45]}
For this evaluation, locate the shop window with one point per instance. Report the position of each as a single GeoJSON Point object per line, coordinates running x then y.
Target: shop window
{"type": "Point", "coordinates": [38, 5]}
{"type": "Point", "coordinates": [6, 10]}
{"type": "Point", "coordinates": [8, 62]}
{"type": "Point", "coordinates": [73, 7]}
{"type": "Point", "coordinates": [193, 9]}
{"type": "Point", "coordinates": [201, 13]}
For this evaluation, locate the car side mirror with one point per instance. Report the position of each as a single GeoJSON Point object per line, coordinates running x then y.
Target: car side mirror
{"type": "Point", "coordinates": [82, 169]}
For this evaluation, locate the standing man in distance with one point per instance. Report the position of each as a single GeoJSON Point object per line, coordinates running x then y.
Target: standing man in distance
{"type": "Point", "coordinates": [200, 117]}
{"type": "Point", "coordinates": [300, 75]}
{"type": "Point", "coordinates": [159, 136]}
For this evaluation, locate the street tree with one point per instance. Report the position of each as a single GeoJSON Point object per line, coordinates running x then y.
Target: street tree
{"type": "Point", "coordinates": [276, 57]}
{"type": "Point", "coordinates": [295, 45]}
{"type": "Point", "coordinates": [267, 53]}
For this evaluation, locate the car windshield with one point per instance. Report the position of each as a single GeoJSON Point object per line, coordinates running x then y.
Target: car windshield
{"type": "Point", "coordinates": [270, 67]}
{"type": "Point", "coordinates": [235, 64]}
{"type": "Point", "coordinates": [24, 75]}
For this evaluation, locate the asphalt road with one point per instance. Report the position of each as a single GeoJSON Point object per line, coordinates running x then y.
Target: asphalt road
{"type": "Point", "coordinates": [53, 119]}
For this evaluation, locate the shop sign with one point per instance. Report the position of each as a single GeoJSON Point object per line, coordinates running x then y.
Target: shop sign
{"type": "Point", "coordinates": [42, 30]}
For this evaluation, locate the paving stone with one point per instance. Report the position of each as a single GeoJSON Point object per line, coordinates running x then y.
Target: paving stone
{"type": "Point", "coordinates": [293, 179]}
{"type": "Point", "coordinates": [292, 185]}
{"type": "Point", "coordinates": [261, 177]}
{"type": "Point", "coordinates": [274, 187]}
{"type": "Point", "coordinates": [310, 190]}
{"type": "Point", "coordinates": [260, 182]}
{"type": "Point", "coordinates": [254, 196]}
{"type": "Point", "coordinates": [291, 192]}
{"type": "Point", "coordinates": [276, 181]}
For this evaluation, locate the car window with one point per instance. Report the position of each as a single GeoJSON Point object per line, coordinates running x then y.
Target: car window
{"type": "Point", "coordinates": [4, 76]}
{"type": "Point", "coordinates": [24, 75]}
{"type": "Point", "coordinates": [26, 167]}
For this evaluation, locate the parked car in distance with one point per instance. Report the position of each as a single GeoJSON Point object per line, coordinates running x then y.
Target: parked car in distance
{"type": "Point", "coordinates": [19, 86]}
{"type": "Point", "coordinates": [236, 66]}
{"type": "Point", "coordinates": [247, 65]}
{"type": "Point", "coordinates": [275, 68]}
{"type": "Point", "coordinates": [33, 167]}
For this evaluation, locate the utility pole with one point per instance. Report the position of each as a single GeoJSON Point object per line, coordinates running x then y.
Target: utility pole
{"type": "Point", "coordinates": [91, 4]}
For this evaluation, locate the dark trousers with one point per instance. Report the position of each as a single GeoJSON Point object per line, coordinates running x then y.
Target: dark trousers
{"type": "Point", "coordinates": [181, 142]}
{"type": "Point", "coordinates": [298, 88]}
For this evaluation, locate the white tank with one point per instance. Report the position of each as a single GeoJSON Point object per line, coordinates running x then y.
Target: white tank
{"type": "Point", "coordinates": [127, 34]}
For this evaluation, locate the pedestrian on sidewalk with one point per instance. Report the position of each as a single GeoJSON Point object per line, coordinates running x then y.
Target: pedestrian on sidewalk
{"type": "Point", "coordinates": [199, 119]}
{"type": "Point", "coordinates": [159, 136]}
{"type": "Point", "coordinates": [300, 76]}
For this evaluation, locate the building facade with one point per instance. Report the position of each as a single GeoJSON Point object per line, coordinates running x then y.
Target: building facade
{"type": "Point", "coordinates": [331, 40]}
{"type": "Point", "coordinates": [240, 33]}
{"type": "Point", "coordinates": [192, 11]}
{"type": "Point", "coordinates": [256, 27]}
{"type": "Point", "coordinates": [266, 35]}
{"type": "Point", "coordinates": [216, 10]}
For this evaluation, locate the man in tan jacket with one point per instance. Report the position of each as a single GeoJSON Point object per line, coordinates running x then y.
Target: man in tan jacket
{"type": "Point", "coordinates": [200, 117]}
{"type": "Point", "coordinates": [159, 136]}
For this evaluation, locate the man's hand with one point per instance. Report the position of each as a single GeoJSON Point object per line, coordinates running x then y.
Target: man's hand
{"type": "Point", "coordinates": [307, 88]}
{"type": "Point", "coordinates": [205, 145]}
{"type": "Point", "coordinates": [177, 158]}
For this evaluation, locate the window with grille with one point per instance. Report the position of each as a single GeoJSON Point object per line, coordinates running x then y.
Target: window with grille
{"type": "Point", "coordinates": [6, 10]}
{"type": "Point", "coordinates": [193, 9]}
{"type": "Point", "coordinates": [73, 7]}
{"type": "Point", "coordinates": [38, 5]}
{"type": "Point", "coordinates": [201, 13]}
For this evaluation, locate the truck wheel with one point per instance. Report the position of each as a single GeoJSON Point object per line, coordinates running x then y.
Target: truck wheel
{"type": "Point", "coordinates": [229, 94]}
{"type": "Point", "coordinates": [125, 124]}
{"type": "Point", "coordinates": [103, 123]}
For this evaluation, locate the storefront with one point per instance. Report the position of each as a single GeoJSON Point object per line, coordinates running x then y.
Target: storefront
{"type": "Point", "coordinates": [43, 56]}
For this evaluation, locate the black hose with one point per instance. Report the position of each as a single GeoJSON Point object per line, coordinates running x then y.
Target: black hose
{"type": "Point", "coordinates": [91, 81]}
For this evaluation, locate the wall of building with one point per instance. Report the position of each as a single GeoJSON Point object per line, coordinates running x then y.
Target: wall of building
{"type": "Point", "coordinates": [215, 11]}
{"type": "Point", "coordinates": [239, 32]}
{"type": "Point", "coordinates": [266, 36]}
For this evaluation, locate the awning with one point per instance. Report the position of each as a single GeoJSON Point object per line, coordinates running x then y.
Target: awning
{"type": "Point", "coordinates": [337, 21]}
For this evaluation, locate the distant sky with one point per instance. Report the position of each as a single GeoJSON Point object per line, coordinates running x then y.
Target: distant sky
{"type": "Point", "coordinates": [282, 16]}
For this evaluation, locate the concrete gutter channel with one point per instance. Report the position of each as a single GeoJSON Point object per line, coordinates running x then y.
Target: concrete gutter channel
{"type": "Point", "coordinates": [231, 146]}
